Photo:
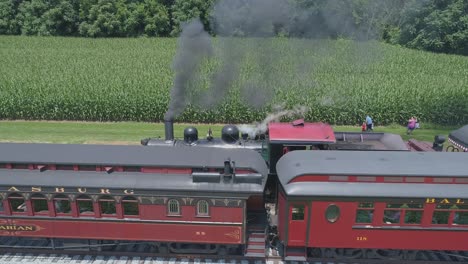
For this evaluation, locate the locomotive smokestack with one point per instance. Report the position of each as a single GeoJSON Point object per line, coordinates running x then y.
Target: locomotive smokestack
{"type": "Point", "coordinates": [169, 129]}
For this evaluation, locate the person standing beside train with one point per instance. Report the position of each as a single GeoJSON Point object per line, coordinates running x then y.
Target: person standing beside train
{"type": "Point", "coordinates": [369, 123]}
{"type": "Point", "coordinates": [412, 122]}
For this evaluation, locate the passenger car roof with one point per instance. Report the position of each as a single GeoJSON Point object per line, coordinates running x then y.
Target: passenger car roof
{"type": "Point", "coordinates": [120, 155]}
{"type": "Point", "coordinates": [141, 183]}
{"type": "Point", "coordinates": [384, 190]}
{"type": "Point", "coordinates": [371, 163]}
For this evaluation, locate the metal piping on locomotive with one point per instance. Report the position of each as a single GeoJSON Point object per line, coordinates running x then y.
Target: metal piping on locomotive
{"type": "Point", "coordinates": [169, 129]}
{"type": "Point", "coordinates": [230, 138]}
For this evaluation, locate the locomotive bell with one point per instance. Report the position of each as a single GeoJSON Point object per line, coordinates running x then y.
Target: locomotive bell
{"type": "Point", "coordinates": [230, 134]}
{"type": "Point", "coordinates": [190, 135]}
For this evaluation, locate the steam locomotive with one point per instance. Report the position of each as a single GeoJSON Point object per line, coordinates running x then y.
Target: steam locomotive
{"type": "Point", "coordinates": [299, 190]}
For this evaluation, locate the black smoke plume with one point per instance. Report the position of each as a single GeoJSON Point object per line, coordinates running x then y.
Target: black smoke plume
{"type": "Point", "coordinates": [246, 31]}
{"type": "Point", "coordinates": [194, 45]}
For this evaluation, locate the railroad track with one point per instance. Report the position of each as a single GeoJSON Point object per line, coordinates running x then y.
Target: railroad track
{"type": "Point", "coordinates": [96, 258]}
{"type": "Point", "coordinates": [100, 259]}
{"type": "Point", "coordinates": [13, 251]}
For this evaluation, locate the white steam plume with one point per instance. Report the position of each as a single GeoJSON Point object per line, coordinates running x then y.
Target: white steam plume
{"type": "Point", "coordinates": [260, 128]}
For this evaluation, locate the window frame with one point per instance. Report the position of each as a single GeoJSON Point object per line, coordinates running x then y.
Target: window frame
{"type": "Point", "coordinates": [24, 204]}
{"type": "Point", "coordinates": [201, 203]}
{"type": "Point", "coordinates": [332, 213]}
{"type": "Point", "coordinates": [294, 215]}
{"type": "Point", "coordinates": [107, 199]}
{"type": "Point", "coordinates": [132, 200]}
{"type": "Point", "coordinates": [62, 197]}
{"type": "Point", "coordinates": [85, 198]}
{"type": "Point", "coordinates": [369, 210]}
{"type": "Point", "coordinates": [408, 209]}
{"type": "Point", "coordinates": [39, 197]}
{"type": "Point", "coordinates": [170, 204]}
{"type": "Point", "coordinates": [456, 211]}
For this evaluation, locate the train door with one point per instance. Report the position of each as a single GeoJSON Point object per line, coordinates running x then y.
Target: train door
{"type": "Point", "coordinates": [297, 230]}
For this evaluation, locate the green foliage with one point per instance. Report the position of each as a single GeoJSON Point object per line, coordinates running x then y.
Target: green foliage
{"type": "Point", "coordinates": [60, 20]}
{"type": "Point", "coordinates": [185, 10]}
{"type": "Point", "coordinates": [30, 17]}
{"type": "Point", "coordinates": [440, 26]}
{"type": "Point", "coordinates": [8, 23]}
{"type": "Point", "coordinates": [44, 78]}
{"type": "Point", "coordinates": [434, 25]}
{"type": "Point", "coordinates": [149, 18]}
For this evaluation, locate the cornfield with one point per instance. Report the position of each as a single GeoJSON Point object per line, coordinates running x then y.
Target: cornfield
{"type": "Point", "coordinates": [53, 78]}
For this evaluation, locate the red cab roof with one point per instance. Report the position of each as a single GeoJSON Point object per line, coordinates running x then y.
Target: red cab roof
{"type": "Point", "coordinates": [300, 132]}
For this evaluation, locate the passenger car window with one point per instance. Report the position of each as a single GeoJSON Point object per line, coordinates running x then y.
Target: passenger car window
{"type": "Point", "coordinates": [17, 203]}
{"type": "Point", "coordinates": [332, 213]}
{"type": "Point", "coordinates": [365, 213]}
{"type": "Point", "coordinates": [413, 213]}
{"type": "Point", "coordinates": [202, 208]}
{"type": "Point", "coordinates": [392, 213]}
{"type": "Point", "coordinates": [39, 203]}
{"type": "Point", "coordinates": [85, 205]}
{"type": "Point", "coordinates": [441, 214]}
{"type": "Point", "coordinates": [173, 207]}
{"type": "Point", "coordinates": [298, 212]}
{"type": "Point", "coordinates": [460, 216]}
{"type": "Point", "coordinates": [107, 205]}
{"type": "Point", "coordinates": [130, 206]}
{"type": "Point", "coordinates": [62, 204]}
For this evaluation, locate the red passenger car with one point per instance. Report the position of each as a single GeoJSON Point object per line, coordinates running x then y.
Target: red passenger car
{"type": "Point", "coordinates": [372, 204]}
{"type": "Point", "coordinates": [185, 200]}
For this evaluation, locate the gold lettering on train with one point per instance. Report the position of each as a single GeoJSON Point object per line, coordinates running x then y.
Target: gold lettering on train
{"type": "Point", "coordinates": [78, 189]}
{"type": "Point", "coordinates": [444, 201]}
{"type": "Point", "coordinates": [13, 189]}
{"type": "Point", "coordinates": [105, 191]}
{"type": "Point", "coordinates": [17, 227]}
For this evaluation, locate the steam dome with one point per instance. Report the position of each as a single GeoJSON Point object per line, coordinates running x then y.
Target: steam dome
{"type": "Point", "coordinates": [230, 134]}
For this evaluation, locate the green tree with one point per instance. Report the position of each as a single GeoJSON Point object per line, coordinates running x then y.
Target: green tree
{"type": "Point", "coordinates": [438, 25]}
{"type": "Point", "coordinates": [8, 23]}
{"type": "Point", "coordinates": [149, 18]}
{"type": "Point", "coordinates": [30, 17]}
{"type": "Point", "coordinates": [61, 19]}
{"type": "Point", "coordinates": [105, 19]}
{"type": "Point", "coordinates": [184, 10]}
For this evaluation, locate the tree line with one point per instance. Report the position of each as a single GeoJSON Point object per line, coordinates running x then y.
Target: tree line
{"type": "Point", "coordinates": [433, 25]}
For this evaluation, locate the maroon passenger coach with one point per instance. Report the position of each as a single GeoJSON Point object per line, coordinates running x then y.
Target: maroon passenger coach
{"type": "Point", "coordinates": [185, 200]}
{"type": "Point", "coordinates": [341, 203]}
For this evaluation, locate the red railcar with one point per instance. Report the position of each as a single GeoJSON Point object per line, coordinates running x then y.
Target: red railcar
{"type": "Point", "coordinates": [209, 196]}
{"type": "Point", "coordinates": [340, 203]}
{"type": "Point", "coordinates": [182, 199]}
